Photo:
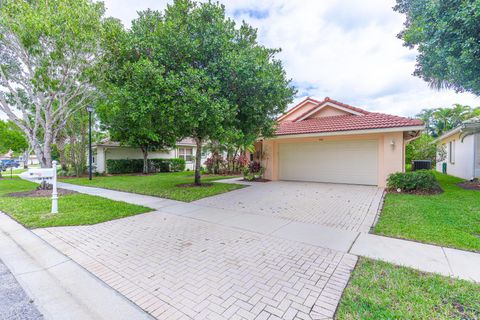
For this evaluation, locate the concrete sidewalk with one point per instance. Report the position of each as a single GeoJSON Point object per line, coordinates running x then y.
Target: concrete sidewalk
{"type": "Point", "coordinates": [423, 257]}
{"type": "Point", "coordinates": [59, 287]}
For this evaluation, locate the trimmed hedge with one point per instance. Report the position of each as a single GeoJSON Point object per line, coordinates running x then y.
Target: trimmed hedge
{"type": "Point", "coordinates": [136, 165]}
{"type": "Point", "coordinates": [414, 181]}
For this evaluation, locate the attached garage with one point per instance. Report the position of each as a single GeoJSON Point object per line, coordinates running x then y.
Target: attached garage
{"type": "Point", "coordinates": [352, 161]}
{"type": "Point", "coordinates": [329, 141]}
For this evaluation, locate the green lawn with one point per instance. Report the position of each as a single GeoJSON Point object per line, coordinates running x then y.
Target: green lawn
{"type": "Point", "coordinates": [449, 219]}
{"type": "Point", "coordinates": [74, 209]}
{"type": "Point", "coordinates": [379, 290]}
{"type": "Point", "coordinates": [162, 185]}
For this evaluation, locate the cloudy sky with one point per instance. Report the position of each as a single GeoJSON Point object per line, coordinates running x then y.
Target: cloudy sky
{"type": "Point", "coordinates": [343, 49]}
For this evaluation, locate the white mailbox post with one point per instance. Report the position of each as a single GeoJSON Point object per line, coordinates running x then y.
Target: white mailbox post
{"type": "Point", "coordinates": [47, 174]}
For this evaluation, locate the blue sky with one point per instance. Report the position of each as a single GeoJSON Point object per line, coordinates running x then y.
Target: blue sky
{"type": "Point", "coordinates": [344, 49]}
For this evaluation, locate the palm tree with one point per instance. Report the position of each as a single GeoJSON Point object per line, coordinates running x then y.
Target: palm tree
{"type": "Point", "coordinates": [442, 120]}
{"type": "Point", "coordinates": [426, 115]}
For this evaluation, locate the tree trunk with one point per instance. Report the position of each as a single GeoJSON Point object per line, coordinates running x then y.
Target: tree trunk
{"type": "Point", "coordinates": [198, 160]}
{"type": "Point", "coordinates": [145, 160]}
{"type": "Point", "coordinates": [26, 158]}
{"type": "Point", "coordinates": [61, 152]}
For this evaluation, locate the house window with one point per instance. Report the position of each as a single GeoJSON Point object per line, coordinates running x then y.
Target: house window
{"type": "Point", "coordinates": [451, 152]}
{"type": "Point", "coordinates": [186, 154]}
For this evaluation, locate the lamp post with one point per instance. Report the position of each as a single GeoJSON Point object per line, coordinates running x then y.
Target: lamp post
{"type": "Point", "coordinates": [90, 109]}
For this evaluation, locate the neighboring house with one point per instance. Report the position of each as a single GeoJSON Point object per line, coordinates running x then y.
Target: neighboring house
{"type": "Point", "coordinates": [7, 156]}
{"type": "Point", "coordinates": [329, 141]}
{"type": "Point", "coordinates": [461, 158]}
{"type": "Point", "coordinates": [32, 160]}
{"type": "Point", "coordinates": [106, 150]}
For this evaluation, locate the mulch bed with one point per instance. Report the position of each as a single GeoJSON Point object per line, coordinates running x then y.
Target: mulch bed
{"type": "Point", "coordinates": [256, 180]}
{"type": "Point", "coordinates": [417, 192]}
{"type": "Point", "coordinates": [193, 185]}
{"type": "Point", "coordinates": [39, 193]}
{"type": "Point", "coordinates": [470, 185]}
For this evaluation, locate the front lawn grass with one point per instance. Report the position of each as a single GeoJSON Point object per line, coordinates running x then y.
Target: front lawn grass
{"type": "Point", "coordinates": [74, 209]}
{"type": "Point", "coordinates": [164, 185]}
{"type": "Point", "coordinates": [379, 290]}
{"type": "Point", "coordinates": [450, 219]}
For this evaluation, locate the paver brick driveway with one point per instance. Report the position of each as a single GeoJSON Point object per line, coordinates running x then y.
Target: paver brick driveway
{"type": "Point", "coordinates": [178, 267]}
{"type": "Point", "coordinates": [347, 207]}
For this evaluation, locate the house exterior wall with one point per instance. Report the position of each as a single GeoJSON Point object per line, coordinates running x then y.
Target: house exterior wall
{"type": "Point", "coordinates": [103, 154]}
{"type": "Point", "coordinates": [390, 157]}
{"type": "Point", "coordinates": [466, 163]}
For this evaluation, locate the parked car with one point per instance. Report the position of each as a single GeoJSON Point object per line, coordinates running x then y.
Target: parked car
{"type": "Point", "coordinates": [10, 164]}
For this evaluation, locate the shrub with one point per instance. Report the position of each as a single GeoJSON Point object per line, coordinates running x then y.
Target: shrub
{"type": "Point", "coordinates": [414, 181]}
{"type": "Point", "coordinates": [124, 166]}
{"type": "Point", "coordinates": [253, 171]}
{"type": "Point", "coordinates": [177, 164]}
{"type": "Point", "coordinates": [136, 165]}
{"type": "Point", "coordinates": [159, 165]}
{"type": "Point", "coordinates": [215, 164]}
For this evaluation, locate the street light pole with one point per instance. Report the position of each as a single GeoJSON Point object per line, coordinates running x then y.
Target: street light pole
{"type": "Point", "coordinates": [90, 155]}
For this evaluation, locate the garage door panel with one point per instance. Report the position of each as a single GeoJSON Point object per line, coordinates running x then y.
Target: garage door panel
{"type": "Point", "coordinates": [330, 161]}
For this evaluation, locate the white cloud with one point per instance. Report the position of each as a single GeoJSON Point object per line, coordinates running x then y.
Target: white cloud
{"type": "Point", "coordinates": [344, 49]}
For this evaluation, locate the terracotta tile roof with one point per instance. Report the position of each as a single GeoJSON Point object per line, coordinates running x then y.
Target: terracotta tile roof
{"type": "Point", "coordinates": [369, 120]}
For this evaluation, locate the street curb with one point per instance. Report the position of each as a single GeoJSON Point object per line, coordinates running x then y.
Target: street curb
{"type": "Point", "coordinates": [59, 287]}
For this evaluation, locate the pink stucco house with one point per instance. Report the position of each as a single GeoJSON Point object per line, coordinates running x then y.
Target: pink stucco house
{"type": "Point", "coordinates": [329, 141]}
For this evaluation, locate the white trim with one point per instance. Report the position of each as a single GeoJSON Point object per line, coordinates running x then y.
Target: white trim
{"type": "Point", "coordinates": [348, 132]}
{"type": "Point", "coordinates": [329, 104]}
{"type": "Point", "coordinates": [297, 107]}
{"type": "Point", "coordinates": [448, 134]}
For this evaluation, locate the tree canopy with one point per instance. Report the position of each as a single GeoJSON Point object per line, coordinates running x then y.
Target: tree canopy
{"type": "Point", "coordinates": [191, 72]}
{"type": "Point", "coordinates": [228, 86]}
{"type": "Point", "coordinates": [49, 51]}
{"type": "Point", "coordinates": [11, 138]}
{"type": "Point", "coordinates": [447, 37]}
{"type": "Point", "coordinates": [440, 120]}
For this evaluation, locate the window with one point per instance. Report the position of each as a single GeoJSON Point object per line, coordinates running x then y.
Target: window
{"type": "Point", "coordinates": [186, 154]}
{"type": "Point", "coordinates": [451, 152]}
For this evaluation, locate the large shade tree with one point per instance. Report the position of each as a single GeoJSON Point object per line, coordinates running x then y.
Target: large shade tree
{"type": "Point", "coordinates": [137, 108]}
{"type": "Point", "coordinates": [226, 84]}
{"type": "Point", "coordinates": [49, 50]}
{"type": "Point", "coordinates": [447, 37]}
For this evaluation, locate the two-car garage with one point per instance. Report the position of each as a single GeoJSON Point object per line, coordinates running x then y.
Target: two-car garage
{"type": "Point", "coordinates": [344, 161]}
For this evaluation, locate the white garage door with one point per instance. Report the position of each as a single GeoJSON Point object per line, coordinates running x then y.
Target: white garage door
{"type": "Point", "coordinates": [330, 161]}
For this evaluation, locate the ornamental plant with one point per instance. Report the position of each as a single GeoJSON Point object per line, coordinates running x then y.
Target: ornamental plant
{"type": "Point", "coordinates": [253, 171]}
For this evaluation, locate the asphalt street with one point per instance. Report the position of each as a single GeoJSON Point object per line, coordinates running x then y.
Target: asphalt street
{"type": "Point", "coordinates": [14, 303]}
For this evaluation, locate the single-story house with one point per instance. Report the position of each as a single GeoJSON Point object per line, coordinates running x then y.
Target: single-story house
{"type": "Point", "coordinates": [185, 149]}
{"type": "Point", "coordinates": [329, 141]}
{"type": "Point", "coordinates": [459, 151]}
{"type": "Point", "coordinates": [7, 156]}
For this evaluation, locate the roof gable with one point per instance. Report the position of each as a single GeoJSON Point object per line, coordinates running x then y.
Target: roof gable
{"type": "Point", "coordinates": [312, 116]}
{"type": "Point", "coordinates": [302, 107]}
{"type": "Point", "coordinates": [312, 108]}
